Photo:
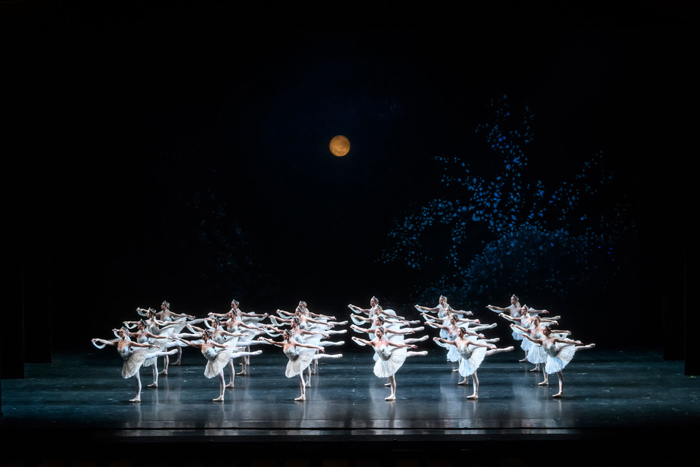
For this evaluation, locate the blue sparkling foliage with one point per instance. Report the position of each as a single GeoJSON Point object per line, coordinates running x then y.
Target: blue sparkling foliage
{"type": "Point", "coordinates": [510, 232]}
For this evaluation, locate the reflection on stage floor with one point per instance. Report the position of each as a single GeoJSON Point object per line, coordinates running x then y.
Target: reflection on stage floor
{"type": "Point", "coordinates": [609, 396]}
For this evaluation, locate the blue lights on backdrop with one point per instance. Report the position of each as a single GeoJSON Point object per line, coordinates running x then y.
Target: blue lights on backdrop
{"type": "Point", "coordinates": [509, 231]}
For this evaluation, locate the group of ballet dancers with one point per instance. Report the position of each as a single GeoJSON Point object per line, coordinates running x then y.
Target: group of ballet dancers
{"type": "Point", "coordinates": [223, 338]}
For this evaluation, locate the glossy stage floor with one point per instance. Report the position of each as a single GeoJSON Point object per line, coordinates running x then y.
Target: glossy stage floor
{"type": "Point", "coordinates": [614, 401]}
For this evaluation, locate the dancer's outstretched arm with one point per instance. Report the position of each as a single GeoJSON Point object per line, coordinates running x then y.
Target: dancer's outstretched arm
{"type": "Point", "coordinates": [536, 341]}
{"type": "Point", "coordinates": [467, 320]}
{"type": "Point", "coordinates": [105, 341]}
{"type": "Point", "coordinates": [425, 308]}
{"type": "Point", "coordinates": [362, 341]}
{"type": "Point", "coordinates": [509, 318]}
{"type": "Point", "coordinates": [191, 344]}
{"type": "Point", "coordinates": [309, 346]}
{"type": "Point", "coordinates": [402, 345]}
{"type": "Point", "coordinates": [270, 341]}
{"type": "Point", "coordinates": [318, 315]}
{"type": "Point", "coordinates": [357, 309]}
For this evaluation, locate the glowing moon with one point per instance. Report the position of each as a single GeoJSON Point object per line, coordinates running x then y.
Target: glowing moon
{"type": "Point", "coordinates": [340, 145]}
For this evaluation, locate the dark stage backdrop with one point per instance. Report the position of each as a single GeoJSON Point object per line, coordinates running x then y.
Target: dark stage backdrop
{"type": "Point", "coordinates": [195, 168]}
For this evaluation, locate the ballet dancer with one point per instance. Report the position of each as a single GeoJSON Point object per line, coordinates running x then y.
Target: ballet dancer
{"type": "Point", "coordinates": [442, 308]}
{"type": "Point", "coordinates": [390, 360]}
{"type": "Point", "coordinates": [471, 354]}
{"type": "Point", "coordinates": [218, 356]}
{"type": "Point", "coordinates": [134, 355]}
{"type": "Point", "coordinates": [559, 353]}
{"type": "Point", "coordinates": [525, 321]}
{"type": "Point", "coordinates": [299, 358]}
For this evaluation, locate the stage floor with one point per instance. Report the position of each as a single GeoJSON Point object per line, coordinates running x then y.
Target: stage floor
{"type": "Point", "coordinates": [611, 398]}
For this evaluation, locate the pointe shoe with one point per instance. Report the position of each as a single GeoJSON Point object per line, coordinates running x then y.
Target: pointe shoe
{"type": "Point", "coordinates": [390, 398]}
{"type": "Point", "coordinates": [135, 399]}
{"type": "Point", "coordinates": [229, 385]}
{"type": "Point", "coordinates": [153, 385]}
{"type": "Point", "coordinates": [300, 398]}
{"type": "Point", "coordinates": [472, 397]}
{"type": "Point", "coordinates": [218, 399]}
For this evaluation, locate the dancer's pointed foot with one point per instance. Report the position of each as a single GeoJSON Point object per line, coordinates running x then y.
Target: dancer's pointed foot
{"type": "Point", "coordinates": [543, 383]}
{"type": "Point", "coordinates": [135, 399]}
{"type": "Point", "coordinates": [164, 373]}
{"type": "Point", "coordinates": [391, 398]}
{"type": "Point", "coordinates": [558, 395]}
{"type": "Point", "coordinates": [219, 399]}
{"type": "Point", "coordinates": [455, 369]}
{"type": "Point", "coordinates": [177, 363]}
{"type": "Point", "coordinates": [308, 384]}
{"type": "Point", "coordinates": [535, 369]}
{"type": "Point", "coordinates": [387, 385]}
{"type": "Point", "coordinates": [229, 385]}
{"type": "Point", "coordinates": [152, 385]}
{"type": "Point", "coordinates": [300, 398]}
{"type": "Point", "coordinates": [473, 396]}
{"type": "Point", "coordinates": [241, 373]}
{"type": "Point", "coordinates": [463, 383]}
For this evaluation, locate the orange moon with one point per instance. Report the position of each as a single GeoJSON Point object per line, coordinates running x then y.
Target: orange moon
{"type": "Point", "coordinates": [339, 145]}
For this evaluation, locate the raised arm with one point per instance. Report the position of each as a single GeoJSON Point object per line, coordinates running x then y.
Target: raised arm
{"type": "Point", "coordinates": [509, 318]}
{"type": "Point", "coordinates": [309, 346]}
{"type": "Point", "coordinates": [105, 341]}
{"type": "Point", "coordinates": [270, 341]}
{"type": "Point", "coordinates": [191, 344]}
{"type": "Point", "coordinates": [362, 341]}
{"type": "Point", "coordinates": [536, 341]}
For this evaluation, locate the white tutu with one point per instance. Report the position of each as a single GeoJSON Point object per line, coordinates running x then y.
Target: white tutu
{"type": "Point", "coordinates": [471, 358]}
{"type": "Point", "coordinates": [389, 360]}
{"type": "Point", "coordinates": [299, 360]}
{"type": "Point", "coordinates": [558, 356]}
{"type": "Point", "coordinates": [216, 361]}
{"type": "Point", "coordinates": [133, 360]}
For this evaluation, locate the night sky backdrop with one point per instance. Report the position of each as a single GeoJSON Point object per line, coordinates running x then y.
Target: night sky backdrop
{"type": "Point", "coordinates": [195, 167]}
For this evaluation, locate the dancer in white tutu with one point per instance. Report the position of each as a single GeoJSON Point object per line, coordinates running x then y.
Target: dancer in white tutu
{"type": "Point", "coordinates": [304, 309]}
{"type": "Point", "coordinates": [533, 325]}
{"type": "Point", "coordinates": [390, 359]}
{"type": "Point", "coordinates": [250, 321]}
{"type": "Point", "coordinates": [443, 308]}
{"type": "Point", "coordinates": [393, 328]}
{"type": "Point", "coordinates": [163, 329]}
{"type": "Point", "coordinates": [236, 311]}
{"type": "Point", "coordinates": [451, 331]}
{"type": "Point", "coordinates": [559, 353]}
{"type": "Point", "coordinates": [471, 353]}
{"type": "Point", "coordinates": [371, 311]}
{"type": "Point", "coordinates": [143, 336]}
{"type": "Point", "coordinates": [218, 356]}
{"type": "Point", "coordinates": [134, 355]}
{"type": "Point", "coordinates": [300, 357]}
{"type": "Point", "coordinates": [524, 322]}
